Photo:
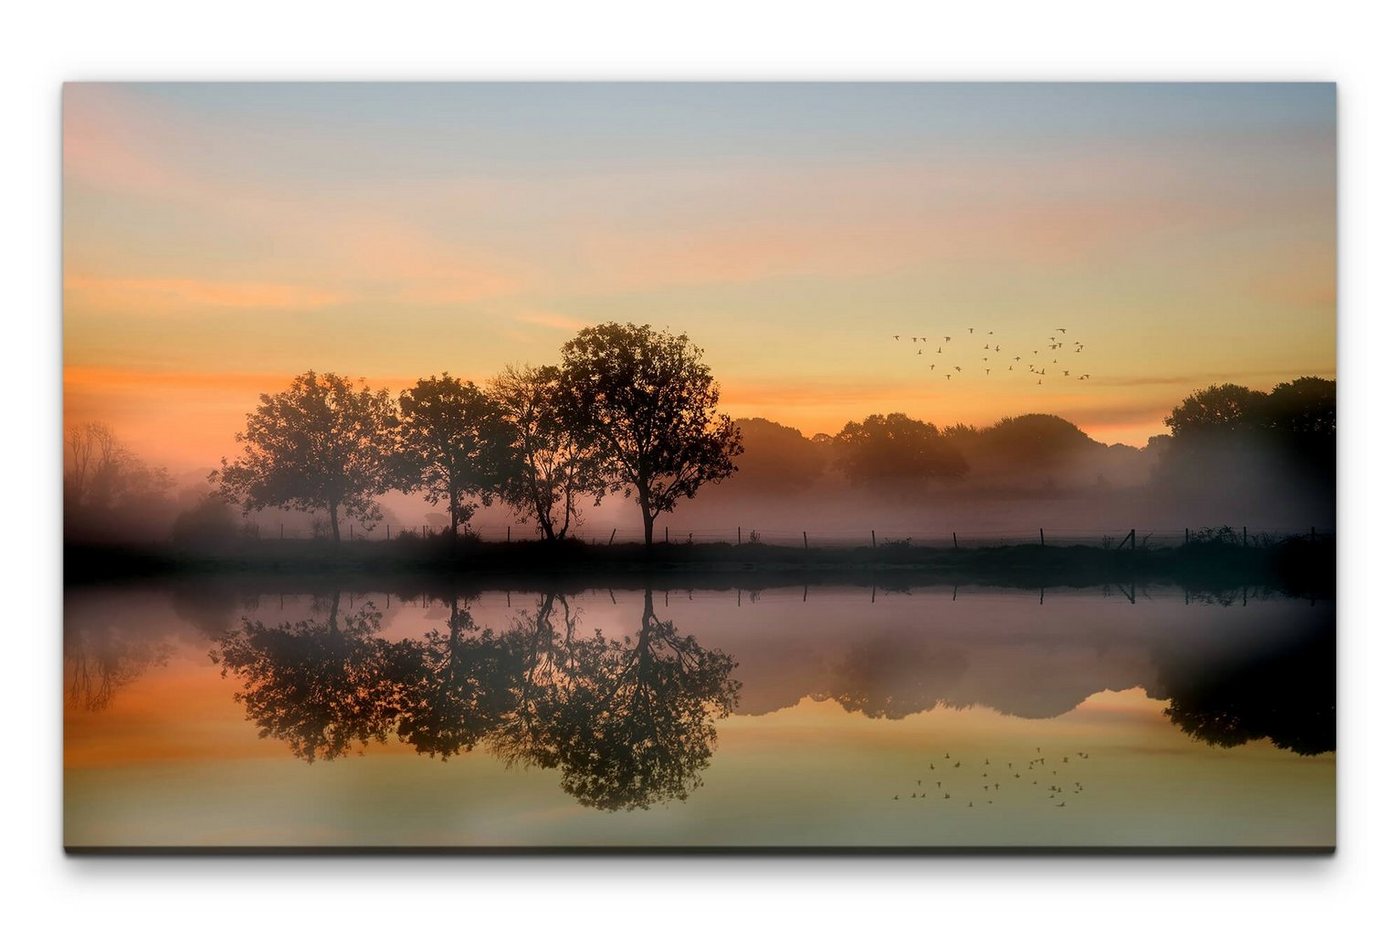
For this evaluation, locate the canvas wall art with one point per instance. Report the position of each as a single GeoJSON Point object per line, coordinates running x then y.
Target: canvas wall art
{"type": "Point", "coordinates": [699, 466]}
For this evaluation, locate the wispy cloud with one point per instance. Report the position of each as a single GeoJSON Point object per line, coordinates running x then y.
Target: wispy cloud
{"type": "Point", "coordinates": [552, 320]}
{"type": "Point", "coordinates": [163, 295]}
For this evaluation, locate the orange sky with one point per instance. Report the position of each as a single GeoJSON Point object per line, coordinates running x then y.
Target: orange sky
{"type": "Point", "coordinates": [220, 238]}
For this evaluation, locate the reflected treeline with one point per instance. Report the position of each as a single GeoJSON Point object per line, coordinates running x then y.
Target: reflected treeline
{"type": "Point", "coordinates": [628, 723]}
{"type": "Point", "coordinates": [1285, 692]}
{"type": "Point", "coordinates": [100, 659]}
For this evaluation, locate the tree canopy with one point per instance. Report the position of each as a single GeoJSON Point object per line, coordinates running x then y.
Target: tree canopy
{"type": "Point", "coordinates": [649, 403]}
{"type": "Point", "coordinates": [453, 445]}
{"type": "Point", "coordinates": [324, 443]}
{"type": "Point", "coordinates": [555, 467]}
{"type": "Point", "coordinates": [896, 451]}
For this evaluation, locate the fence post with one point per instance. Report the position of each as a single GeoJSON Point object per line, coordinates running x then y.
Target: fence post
{"type": "Point", "coordinates": [1244, 535]}
{"type": "Point", "coordinates": [507, 534]}
{"type": "Point", "coordinates": [804, 546]}
{"type": "Point", "coordinates": [1186, 540]}
{"type": "Point", "coordinates": [610, 539]}
{"type": "Point", "coordinates": [955, 539]}
{"type": "Point", "coordinates": [386, 532]}
{"type": "Point", "coordinates": [738, 536]}
{"type": "Point", "coordinates": [1042, 536]}
{"type": "Point", "coordinates": [1132, 544]}
{"type": "Point", "coordinates": [872, 542]}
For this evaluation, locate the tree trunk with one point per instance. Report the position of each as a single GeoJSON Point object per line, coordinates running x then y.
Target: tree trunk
{"type": "Point", "coordinates": [335, 522]}
{"type": "Point", "coordinates": [648, 521]}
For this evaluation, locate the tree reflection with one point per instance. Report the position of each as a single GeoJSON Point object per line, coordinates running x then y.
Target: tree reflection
{"type": "Point", "coordinates": [628, 722]}
{"type": "Point", "coordinates": [455, 687]}
{"type": "Point", "coordinates": [892, 676]}
{"type": "Point", "coordinates": [1286, 693]}
{"type": "Point", "coordinates": [98, 660]}
{"type": "Point", "coordinates": [318, 685]}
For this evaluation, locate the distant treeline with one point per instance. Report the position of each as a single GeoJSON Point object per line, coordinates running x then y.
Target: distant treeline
{"type": "Point", "coordinates": [634, 411]}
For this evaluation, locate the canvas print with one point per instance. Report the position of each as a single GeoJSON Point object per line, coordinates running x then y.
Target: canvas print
{"type": "Point", "coordinates": [699, 466]}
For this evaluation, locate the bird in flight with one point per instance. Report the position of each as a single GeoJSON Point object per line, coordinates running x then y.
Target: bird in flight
{"type": "Point", "coordinates": [896, 337]}
{"type": "Point", "coordinates": [969, 331]}
{"type": "Point", "coordinates": [1060, 330]}
{"type": "Point", "coordinates": [947, 338]}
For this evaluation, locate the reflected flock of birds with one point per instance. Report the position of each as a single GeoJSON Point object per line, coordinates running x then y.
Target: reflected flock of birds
{"type": "Point", "coordinates": [951, 780]}
{"type": "Point", "coordinates": [1027, 362]}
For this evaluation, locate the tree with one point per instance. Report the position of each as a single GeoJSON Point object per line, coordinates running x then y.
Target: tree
{"type": "Point", "coordinates": [896, 451]}
{"type": "Point", "coordinates": [777, 459]}
{"type": "Point", "coordinates": [322, 444]}
{"type": "Point", "coordinates": [1220, 408]}
{"type": "Point", "coordinates": [650, 405]}
{"type": "Point", "coordinates": [555, 468]}
{"type": "Point", "coordinates": [108, 491]}
{"type": "Point", "coordinates": [452, 444]}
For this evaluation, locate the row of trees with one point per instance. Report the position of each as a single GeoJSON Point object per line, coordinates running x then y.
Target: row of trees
{"type": "Point", "coordinates": [629, 409]}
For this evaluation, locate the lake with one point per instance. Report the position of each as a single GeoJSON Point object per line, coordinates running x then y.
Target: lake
{"type": "Point", "coordinates": [219, 712]}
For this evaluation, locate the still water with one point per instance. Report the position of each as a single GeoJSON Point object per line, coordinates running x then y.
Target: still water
{"type": "Point", "coordinates": [216, 713]}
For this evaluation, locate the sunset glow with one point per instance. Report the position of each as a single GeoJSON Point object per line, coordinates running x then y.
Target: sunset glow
{"type": "Point", "coordinates": [219, 239]}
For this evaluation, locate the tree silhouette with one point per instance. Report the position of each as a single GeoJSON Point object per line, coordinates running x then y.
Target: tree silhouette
{"type": "Point", "coordinates": [555, 468]}
{"type": "Point", "coordinates": [895, 451]}
{"type": "Point", "coordinates": [455, 687]}
{"type": "Point", "coordinates": [777, 459]}
{"type": "Point", "coordinates": [1220, 408]}
{"type": "Point", "coordinates": [452, 445]}
{"type": "Point", "coordinates": [648, 402]}
{"type": "Point", "coordinates": [628, 723]}
{"type": "Point", "coordinates": [106, 489]}
{"type": "Point", "coordinates": [322, 444]}
{"type": "Point", "coordinates": [319, 686]}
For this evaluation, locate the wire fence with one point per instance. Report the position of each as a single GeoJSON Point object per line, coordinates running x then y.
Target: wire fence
{"type": "Point", "coordinates": [876, 537]}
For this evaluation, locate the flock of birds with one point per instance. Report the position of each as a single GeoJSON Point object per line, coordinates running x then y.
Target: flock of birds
{"type": "Point", "coordinates": [992, 359]}
{"type": "Point", "coordinates": [950, 781]}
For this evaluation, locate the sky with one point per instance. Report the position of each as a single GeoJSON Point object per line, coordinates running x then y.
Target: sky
{"type": "Point", "coordinates": [220, 238]}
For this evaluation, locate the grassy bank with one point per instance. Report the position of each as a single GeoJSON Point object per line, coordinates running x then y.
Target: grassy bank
{"type": "Point", "coordinates": [1296, 566]}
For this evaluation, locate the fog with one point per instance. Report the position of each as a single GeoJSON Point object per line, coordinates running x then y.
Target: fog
{"type": "Point", "coordinates": [1270, 469]}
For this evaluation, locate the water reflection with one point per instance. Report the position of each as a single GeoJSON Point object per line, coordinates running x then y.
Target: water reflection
{"type": "Point", "coordinates": [1285, 690]}
{"type": "Point", "coordinates": [627, 723]}
{"type": "Point", "coordinates": [626, 715]}
{"type": "Point", "coordinates": [320, 685]}
{"type": "Point", "coordinates": [100, 658]}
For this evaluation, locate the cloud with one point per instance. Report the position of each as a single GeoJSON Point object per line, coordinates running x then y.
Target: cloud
{"type": "Point", "coordinates": [552, 320]}
{"type": "Point", "coordinates": [162, 295]}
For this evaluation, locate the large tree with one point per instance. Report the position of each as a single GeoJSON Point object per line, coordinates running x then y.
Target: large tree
{"type": "Point", "coordinates": [555, 468]}
{"type": "Point", "coordinates": [324, 443]}
{"type": "Point", "coordinates": [453, 444]}
{"type": "Point", "coordinates": [650, 405]}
